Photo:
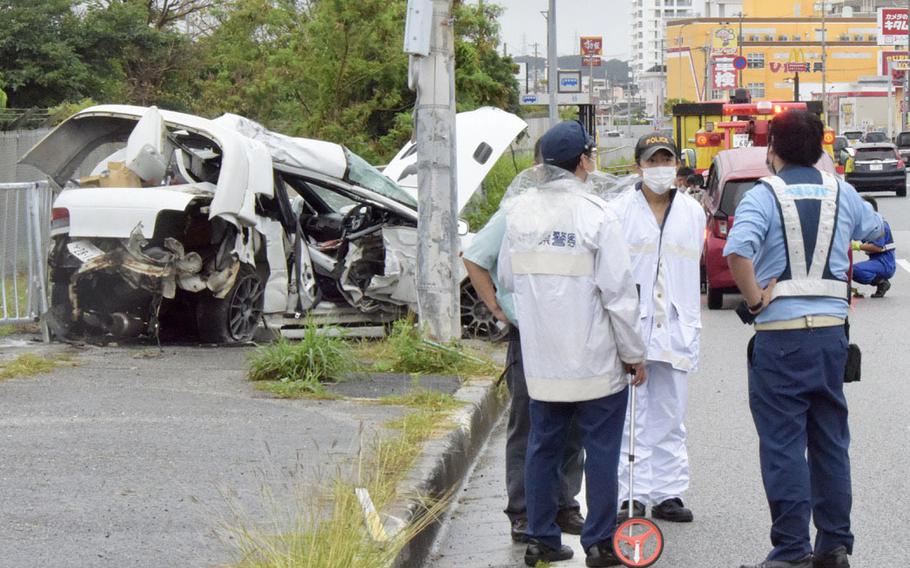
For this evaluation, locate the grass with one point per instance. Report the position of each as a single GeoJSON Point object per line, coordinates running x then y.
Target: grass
{"type": "Point", "coordinates": [16, 297]}
{"type": "Point", "coordinates": [327, 527]}
{"type": "Point", "coordinates": [482, 206]}
{"type": "Point", "coordinates": [409, 353]}
{"type": "Point", "coordinates": [292, 370]}
{"type": "Point", "coordinates": [29, 364]}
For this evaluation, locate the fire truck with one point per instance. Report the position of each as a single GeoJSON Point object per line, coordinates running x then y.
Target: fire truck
{"type": "Point", "coordinates": [702, 130]}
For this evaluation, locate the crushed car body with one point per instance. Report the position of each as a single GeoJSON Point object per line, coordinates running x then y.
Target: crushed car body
{"type": "Point", "coordinates": [187, 226]}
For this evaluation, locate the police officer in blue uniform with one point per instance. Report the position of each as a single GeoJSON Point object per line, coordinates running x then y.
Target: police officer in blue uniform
{"type": "Point", "coordinates": [881, 265]}
{"type": "Point", "coordinates": [788, 252]}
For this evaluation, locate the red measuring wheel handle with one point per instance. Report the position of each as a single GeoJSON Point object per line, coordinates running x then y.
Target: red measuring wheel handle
{"type": "Point", "coordinates": [638, 542]}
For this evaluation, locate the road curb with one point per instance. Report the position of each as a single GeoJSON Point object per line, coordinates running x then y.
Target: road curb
{"type": "Point", "coordinates": [442, 466]}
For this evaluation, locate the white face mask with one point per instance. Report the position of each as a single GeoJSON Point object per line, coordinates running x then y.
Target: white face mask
{"type": "Point", "coordinates": [659, 179]}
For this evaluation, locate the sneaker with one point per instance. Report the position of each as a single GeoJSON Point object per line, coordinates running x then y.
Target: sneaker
{"type": "Point", "coordinates": [803, 563]}
{"type": "Point", "coordinates": [837, 558]}
{"type": "Point", "coordinates": [623, 515]}
{"type": "Point", "coordinates": [672, 510]}
{"type": "Point", "coordinates": [602, 554]}
{"type": "Point", "coordinates": [539, 552]}
{"type": "Point", "coordinates": [520, 530]}
{"type": "Point", "coordinates": [882, 287]}
{"type": "Point", "coordinates": [570, 521]}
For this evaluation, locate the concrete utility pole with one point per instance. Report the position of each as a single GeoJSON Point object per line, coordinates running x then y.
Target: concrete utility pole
{"type": "Point", "coordinates": [553, 60]}
{"type": "Point", "coordinates": [437, 224]}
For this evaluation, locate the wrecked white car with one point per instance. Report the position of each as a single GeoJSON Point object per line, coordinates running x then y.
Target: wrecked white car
{"type": "Point", "coordinates": [190, 228]}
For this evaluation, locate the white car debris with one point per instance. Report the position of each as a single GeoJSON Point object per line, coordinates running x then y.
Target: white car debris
{"type": "Point", "coordinates": [210, 228]}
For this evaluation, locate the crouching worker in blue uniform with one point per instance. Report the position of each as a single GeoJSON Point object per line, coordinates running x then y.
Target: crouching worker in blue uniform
{"type": "Point", "coordinates": [788, 252]}
{"type": "Point", "coordinates": [567, 265]}
{"type": "Point", "coordinates": [881, 265]}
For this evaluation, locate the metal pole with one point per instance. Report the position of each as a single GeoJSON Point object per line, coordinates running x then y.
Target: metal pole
{"type": "Point", "coordinates": [796, 87]}
{"type": "Point", "coordinates": [890, 105]}
{"type": "Point", "coordinates": [906, 79]}
{"type": "Point", "coordinates": [39, 260]}
{"type": "Point", "coordinates": [824, 63]}
{"type": "Point", "coordinates": [629, 112]}
{"type": "Point", "coordinates": [553, 61]}
{"type": "Point", "coordinates": [437, 230]}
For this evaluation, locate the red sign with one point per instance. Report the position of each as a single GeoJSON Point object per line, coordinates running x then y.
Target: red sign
{"type": "Point", "coordinates": [593, 45]}
{"type": "Point", "coordinates": [724, 75]}
{"type": "Point", "coordinates": [591, 61]}
{"type": "Point", "coordinates": [887, 65]}
{"type": "Point", "coordinates": [893, 22]}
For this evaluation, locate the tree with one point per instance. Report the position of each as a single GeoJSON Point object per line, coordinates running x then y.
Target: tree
{"type": "Point", "coordinates": [38, 58]}
{"type": "Point", "coordinates": [335, 69]}
{"type": "Point", "coordinates": [482, 76]}
{"type": "Point", "coordinates": [140, 64]}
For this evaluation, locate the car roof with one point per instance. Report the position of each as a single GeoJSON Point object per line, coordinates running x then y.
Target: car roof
{"type": "Point", "coordinates": [742, 163]}
{"type": "Point", "coordinates": [876, 146]}
{"type": "Point", "coordinates": [749, 163]}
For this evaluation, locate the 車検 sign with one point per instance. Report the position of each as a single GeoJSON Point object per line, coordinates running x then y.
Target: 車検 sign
{"type": "Point", "coordinates": [892, 26]}
{"type": "Point", "coordinates": [724, 74]}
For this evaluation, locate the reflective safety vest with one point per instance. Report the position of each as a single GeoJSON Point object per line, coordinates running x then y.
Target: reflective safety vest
{"type": "Point", "coordinates": [800, 279]}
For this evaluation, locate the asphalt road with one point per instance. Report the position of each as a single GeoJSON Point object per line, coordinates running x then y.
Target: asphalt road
{"type": "Point", "coordinates": [732, 522]}
{"type": "Point", "coordinates": [133, 458]}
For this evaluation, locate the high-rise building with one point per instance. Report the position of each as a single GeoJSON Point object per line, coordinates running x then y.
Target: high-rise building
{"type": "Point", "coordinates": [649, 19]}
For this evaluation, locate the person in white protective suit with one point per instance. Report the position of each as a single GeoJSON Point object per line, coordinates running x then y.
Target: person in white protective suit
{"type": "Point", "coordinates": [664, 229]}
{"type": "Point", "coordinates": [565, 261]}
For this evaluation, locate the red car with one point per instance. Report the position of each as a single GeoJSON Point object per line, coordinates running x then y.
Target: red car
{"type": "Point", "coordinates": [732, 174]}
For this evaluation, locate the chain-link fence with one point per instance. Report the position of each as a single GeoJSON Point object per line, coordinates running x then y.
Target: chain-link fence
{"type": "Point", "coordinates": [25, 213]}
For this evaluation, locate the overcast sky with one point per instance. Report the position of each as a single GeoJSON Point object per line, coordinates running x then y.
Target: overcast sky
{"type": "Point", "coordinates": [522, 25]}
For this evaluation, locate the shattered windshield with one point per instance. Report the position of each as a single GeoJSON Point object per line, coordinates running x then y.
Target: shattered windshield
{"type": "Point", "coordinates": [362, 173]}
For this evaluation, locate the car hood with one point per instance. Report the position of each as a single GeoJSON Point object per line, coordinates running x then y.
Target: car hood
{"type": "Point", "coordinates": [481, 135]}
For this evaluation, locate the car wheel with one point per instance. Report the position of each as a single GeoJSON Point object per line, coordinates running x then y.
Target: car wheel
{"type": "Point", "coordinates": [477, 320]}
{"type": "Point", "coordinates": [715, 299]}
{"type": "Point", "coordinates": [234, 318]}
{"type": "Point", "coordinates": [901, 191]}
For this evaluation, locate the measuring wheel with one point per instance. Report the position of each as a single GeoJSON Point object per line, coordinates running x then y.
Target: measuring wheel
{"type": "Point", "coordinates": [638, 542]}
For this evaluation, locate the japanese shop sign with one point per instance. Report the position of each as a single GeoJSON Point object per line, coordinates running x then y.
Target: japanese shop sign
{"type": "Point", "coordinates": [724, 75]}
{"type": "Point", "coordinates": [892, 26]}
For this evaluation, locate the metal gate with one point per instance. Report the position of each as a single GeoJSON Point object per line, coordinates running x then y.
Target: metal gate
{"type": "Point", "coordinates": [25, 215]}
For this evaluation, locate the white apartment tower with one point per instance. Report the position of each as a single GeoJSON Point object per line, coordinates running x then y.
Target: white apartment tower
{"type": "Point", "coordinates": [648, 29]}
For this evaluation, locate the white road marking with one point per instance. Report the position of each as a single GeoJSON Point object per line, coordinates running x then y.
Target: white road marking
{"type": "Point", "coordinates": [904, 264]}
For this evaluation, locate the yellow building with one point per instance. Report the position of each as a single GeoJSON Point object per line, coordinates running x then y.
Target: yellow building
{"type": "Point", "coordinates": [780, 39]}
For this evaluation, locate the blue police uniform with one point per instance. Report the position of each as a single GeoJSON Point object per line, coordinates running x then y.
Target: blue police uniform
{"type": "Point", "coordinates": [881, 265]}
{"type": "Point", "coordinates": [797, 364]}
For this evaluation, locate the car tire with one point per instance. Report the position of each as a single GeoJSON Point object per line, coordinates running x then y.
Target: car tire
{"type": "Point", "coordinates": [234, 318]}
{"type": "Point", "coordinates": [715, 299]}
{"type": "Point", "coordinates": [901, 191]}
{"type": "Point", "coordinates": [477, 322]}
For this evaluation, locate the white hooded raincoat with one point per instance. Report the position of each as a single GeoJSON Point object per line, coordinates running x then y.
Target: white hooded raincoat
{"type": "Point", "coordinates": [566, 261]}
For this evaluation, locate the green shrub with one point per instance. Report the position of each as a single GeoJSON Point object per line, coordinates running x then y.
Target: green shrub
{"type": "Point", "coordinates": [316, 358]}
{"type": "Point", "coordinates": [411, 353]}
{"type": "Point", "coordinates": [483, 205]}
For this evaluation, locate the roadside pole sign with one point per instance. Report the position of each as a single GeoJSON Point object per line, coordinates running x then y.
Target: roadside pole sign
{"type": "Point", "coordinates": [892, 26]}
{"type": "Point", "coordinates": [739, 62]}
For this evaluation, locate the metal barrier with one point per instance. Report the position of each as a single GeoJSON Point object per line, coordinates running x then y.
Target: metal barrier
{"type": "Point", "coordinates": [25, 215]}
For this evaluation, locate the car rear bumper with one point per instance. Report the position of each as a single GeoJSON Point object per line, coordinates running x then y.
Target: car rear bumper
{"type": "Point", "coordinates": [716, 269]}
{"type": "Point", "coordinates": [878, 180]}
